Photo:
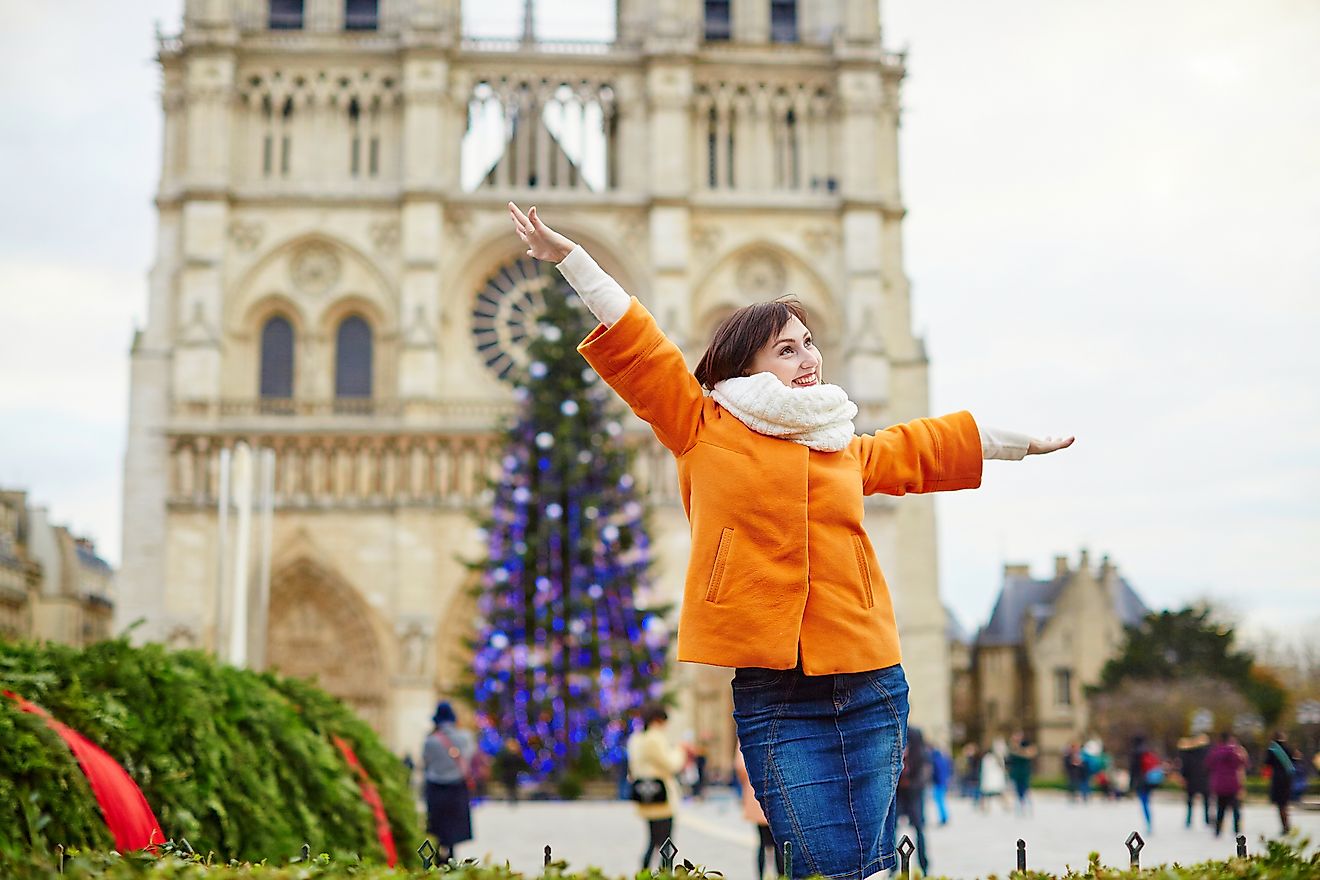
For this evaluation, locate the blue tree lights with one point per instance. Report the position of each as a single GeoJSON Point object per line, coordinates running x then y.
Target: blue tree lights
{"type": "Point", "coordinates": [563, 654]}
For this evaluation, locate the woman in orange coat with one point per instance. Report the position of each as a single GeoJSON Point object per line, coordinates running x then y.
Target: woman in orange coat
{"type": "Point", "coordinates": [783, 583]}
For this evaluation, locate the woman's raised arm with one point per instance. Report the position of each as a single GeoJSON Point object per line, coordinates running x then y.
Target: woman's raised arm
{"type": "Point", "coordinates": [602, 294]}
{"type": "Point", "coordinates": [629, 351]}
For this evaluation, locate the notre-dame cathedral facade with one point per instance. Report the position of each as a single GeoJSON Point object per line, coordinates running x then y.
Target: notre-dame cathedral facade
{"type": "Point", "coordinates": [336, 280]}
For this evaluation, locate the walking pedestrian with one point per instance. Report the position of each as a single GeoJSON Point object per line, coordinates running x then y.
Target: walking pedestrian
{"type": "Point", "coordinates": [654, 764]}
{"type": "Point", "coordinates": [783, 583]}
{"type": "Point", "coordinates": [1226, 767]}
{"type": "Point", "coordinates": [1146, 772]}
{"type": "Point", "coordinates": [941, 774]}
{"type": "Point", "coordinates": [447, 756]}
{"type": "Point", "coordinates": [1073, 769]}
{"type": "Point", "coordinates": [912, 792]}
{"type": "Point", "coordinates": [970, 779]}
{"type": "Point", "coordinates": [994, 778]}
{"type": "Point", "coordinates": [1192, 752]}
{"type": "Point", "coordinates": [1280, 758]}
{"type": "Point", "coordinates": [753, 813]}
{"type": "Point", "coordinates": [507, 765]}
{"type": "Point", "coordinates": [1094, 763]}
{"type": "Point", "coordinates": [1021, 755]}
{"type": "Point", "coordinates": [699, 759]}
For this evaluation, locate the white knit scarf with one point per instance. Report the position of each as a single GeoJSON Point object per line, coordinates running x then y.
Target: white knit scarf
{"type": "Point", "coordinates": [819, 417]}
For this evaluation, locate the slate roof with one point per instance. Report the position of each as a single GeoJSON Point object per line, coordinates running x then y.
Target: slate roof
{"type": "Point", "coordinates": [88, 559]}
{"type": "Point", "coordinates": [1023, 596]}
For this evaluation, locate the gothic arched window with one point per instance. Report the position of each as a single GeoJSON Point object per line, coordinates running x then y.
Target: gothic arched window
{"type": "Point", "coordinates": [277, 359]}
{"type": "Point", "coordinates": [783, 21]}
{"type": "Point", "coordinates": [353, 346]}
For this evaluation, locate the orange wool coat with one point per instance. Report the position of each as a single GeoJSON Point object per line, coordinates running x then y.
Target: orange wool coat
{"type": "Point", "coordinates": [780, 560]}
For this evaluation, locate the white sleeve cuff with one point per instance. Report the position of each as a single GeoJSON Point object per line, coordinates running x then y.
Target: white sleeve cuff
{"type": "Point", "coordinates": [602, 294]}
{"type": "Point", "coordinates": [1001, 445]}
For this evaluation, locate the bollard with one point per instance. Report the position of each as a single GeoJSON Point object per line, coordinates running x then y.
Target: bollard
{"type": "Point", "coordinates": [788, 859]}
{"type": "Point", "coordinates": [1135, 844]}
{"type": "Point", "coordinates": [1242, 846]}
{"type": "Point", "coordinates": [667, 853]}
{"type": "Point", "coordinates": [59, 848]}
{"type": "Point", "coordinates": [905, 848]}
{"type": "Point", "coordinates": [1022, 855]}
{"type": "Point", "coordinates": [547, 855]}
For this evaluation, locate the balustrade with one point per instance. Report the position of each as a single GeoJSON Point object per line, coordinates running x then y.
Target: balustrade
{"type": "Point", "coordinates": [333, 470]}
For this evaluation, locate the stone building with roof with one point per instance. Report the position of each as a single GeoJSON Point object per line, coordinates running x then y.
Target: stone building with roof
{"type": "Point", "coordinates": [53, 584]}
{"type": "Point", "coordinates": [1046, 641]}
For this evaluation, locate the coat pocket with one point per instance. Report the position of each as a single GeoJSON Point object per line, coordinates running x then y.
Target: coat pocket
{"type": "Point", "coordinates": [868, 592]}
{"type": "Point", "coordinates": [717, 570]}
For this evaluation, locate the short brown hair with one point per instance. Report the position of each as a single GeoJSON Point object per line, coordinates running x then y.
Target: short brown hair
{"type": "Point", "coordinates": [653, 712]}
{"type": "Point", "coordinates": [741, 335]}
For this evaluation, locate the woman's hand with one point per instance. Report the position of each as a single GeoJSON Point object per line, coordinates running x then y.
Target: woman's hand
{"type": "Point", "coordinates": [542, 242]}
{"type": "Point", "coordinates": [1049, 444]}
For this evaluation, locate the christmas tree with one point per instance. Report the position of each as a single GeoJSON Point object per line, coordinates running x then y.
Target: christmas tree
{"type": "Point", "coordinates": [564, 655]}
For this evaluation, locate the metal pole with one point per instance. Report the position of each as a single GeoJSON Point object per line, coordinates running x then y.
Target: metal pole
{"type": "Point", "coordinates": [221, 557]}
{"type": "Point", "coordinates": [261, 620]}
{"type": "Point", "coordinates": [238, 630]}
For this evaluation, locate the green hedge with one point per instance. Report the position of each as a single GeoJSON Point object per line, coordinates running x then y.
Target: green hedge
{"type": "Point", "coordinates": [238, 763]}
{"type": "Point", "coordinates": [1255, 785]}
{"type": "Point", "coordinates": [1279, 862]}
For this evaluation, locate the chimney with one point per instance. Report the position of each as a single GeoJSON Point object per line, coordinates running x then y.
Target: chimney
{"type": "Point", "coordinates": [1061, 566]}
{"type": "Point", "coordinates": [1084, 563]}
{"type": "Point", "coordinates": [1017, 569]}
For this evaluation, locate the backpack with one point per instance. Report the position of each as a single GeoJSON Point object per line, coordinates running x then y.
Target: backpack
{"type": "Point", "coordinates": [1151, 771]}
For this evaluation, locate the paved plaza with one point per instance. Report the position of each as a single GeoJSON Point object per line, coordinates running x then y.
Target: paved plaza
{"type": "Point", "coordinates": [608, 835]}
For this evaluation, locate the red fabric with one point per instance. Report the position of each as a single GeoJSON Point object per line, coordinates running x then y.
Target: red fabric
{"type": "Point", "coordinates": [372, 797]}
{"type": "Point", "coordinates": [126, 811]}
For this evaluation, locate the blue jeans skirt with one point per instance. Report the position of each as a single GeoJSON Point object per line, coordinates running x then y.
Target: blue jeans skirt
{"type": "Point", "coordinates": [823, 754]}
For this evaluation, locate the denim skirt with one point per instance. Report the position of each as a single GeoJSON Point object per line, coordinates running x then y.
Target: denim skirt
{"type": "Point", "coordinates": [823, 755]}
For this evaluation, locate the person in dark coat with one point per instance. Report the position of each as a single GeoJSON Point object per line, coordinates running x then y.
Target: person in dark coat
{"type": "Point", "coordinates": [1281, 759]}
{"type": "Point", "coordinates": [1192, 751]}
{"type": "Point", "coordinates": [447, 757]}
{"type": "Point", "coordinates": [911, 795]}
{"type": "Point", "coordinates": [506, 766]}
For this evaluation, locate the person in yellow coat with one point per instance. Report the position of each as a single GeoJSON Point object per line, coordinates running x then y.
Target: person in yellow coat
{"type": "Point", "coordinates": [782, 582]}
{"type": "Point", "coordinates": [653, 759]}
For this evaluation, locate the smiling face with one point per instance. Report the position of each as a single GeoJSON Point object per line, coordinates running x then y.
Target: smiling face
{"type": "Point", "coordinates": [790, 356]}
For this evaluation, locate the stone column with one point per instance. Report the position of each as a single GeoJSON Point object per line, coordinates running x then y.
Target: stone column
{"type": "Point", "coordinates": [751, 21]}
{"type": "Point", "coordinates": [432, 137]}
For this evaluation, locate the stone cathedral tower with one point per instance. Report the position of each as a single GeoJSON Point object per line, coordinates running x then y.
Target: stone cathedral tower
{"type": "Point", "coordinates": [336, 280]}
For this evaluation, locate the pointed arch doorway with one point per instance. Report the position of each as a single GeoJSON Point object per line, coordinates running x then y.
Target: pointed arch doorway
{"type": "Point", "coordinates": [321, 629]}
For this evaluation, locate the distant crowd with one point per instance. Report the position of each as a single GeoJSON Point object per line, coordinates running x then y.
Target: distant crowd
{"type": "Point", "coordinates": [1210, 772]}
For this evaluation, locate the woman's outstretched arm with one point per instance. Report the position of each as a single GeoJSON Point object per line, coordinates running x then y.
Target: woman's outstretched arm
{"type": "Point", "coordinates": [602, 294]}
{"type": "Point", "coordinates": [1001, 445]}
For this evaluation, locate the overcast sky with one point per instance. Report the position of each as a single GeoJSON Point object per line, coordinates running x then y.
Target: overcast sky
{"type": "Point", "coordinates": [1113, 230]}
